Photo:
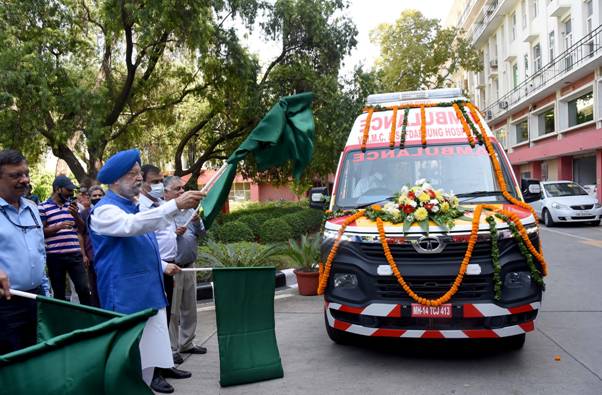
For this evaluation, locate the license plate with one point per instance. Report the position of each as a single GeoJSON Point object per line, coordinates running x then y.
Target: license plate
{"type": "Point", "coordinates": [443, 311]}
{"type": "Point", "coordinates": [583, 214]}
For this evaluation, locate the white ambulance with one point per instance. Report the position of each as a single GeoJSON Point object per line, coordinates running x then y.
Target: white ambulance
{"type": "Point", "coordinates": [427, 285]}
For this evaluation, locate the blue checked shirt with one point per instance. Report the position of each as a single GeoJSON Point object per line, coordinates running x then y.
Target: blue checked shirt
{"type": "Point", "coordinates": [22, 250]}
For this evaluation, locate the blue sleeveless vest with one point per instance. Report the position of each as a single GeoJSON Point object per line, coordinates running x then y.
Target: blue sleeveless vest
{"type": "Point", "coordinates": [128, 269]}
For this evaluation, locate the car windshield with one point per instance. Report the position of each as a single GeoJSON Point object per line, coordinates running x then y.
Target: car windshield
{"type": "Point", "coordinates": [559, 189]}
{"type": "Point", "coordinates": [377, 174]}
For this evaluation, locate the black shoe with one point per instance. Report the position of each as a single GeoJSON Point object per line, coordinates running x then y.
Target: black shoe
{"type": "Point", "coordinates": [195, 350]}
{"type": "Point", "coordinates": [173, 373]}
{"type": "Point", "coordinates": [160, 385]}
{"type": "Point", "coordinates": [177, 358]}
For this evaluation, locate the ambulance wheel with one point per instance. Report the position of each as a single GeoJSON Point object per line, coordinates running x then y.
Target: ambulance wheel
{"type": "Point", "coordinates": [336, 335]}
{"type": "Point", "coordinates": [515, 342]}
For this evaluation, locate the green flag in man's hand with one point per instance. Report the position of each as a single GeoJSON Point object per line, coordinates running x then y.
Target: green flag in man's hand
{"type": "Point", "coordinates": [286, 133]}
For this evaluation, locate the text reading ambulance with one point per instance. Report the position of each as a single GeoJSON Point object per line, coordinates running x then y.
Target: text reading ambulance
{"type": "Point", "coordinates": [404, 137]}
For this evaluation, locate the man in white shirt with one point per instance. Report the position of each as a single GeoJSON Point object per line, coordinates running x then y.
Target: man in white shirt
{"type": "Point", "coordinates": [151, 195]}
{"type": "Point", "coordinates": [127, 260]}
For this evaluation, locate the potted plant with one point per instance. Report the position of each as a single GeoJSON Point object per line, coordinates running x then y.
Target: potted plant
{"type": "Point", "coordinates": [305, 255]}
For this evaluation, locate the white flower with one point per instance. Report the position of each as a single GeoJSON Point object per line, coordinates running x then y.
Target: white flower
{"type": "Point", "coordinates": [413, 203]}
{"type": "Point", "coordinates": [434, 201]}
{"type": "Point", "coordinates": [410, 218]}
{"type": "Point", "coordinates": [421, 181]}
{"type": "Point", "coordinates": [426, 185]}
{"type": "Point", "coordinates": [404, 190]}
{"type": "Point", "coordinates": [435, 209]}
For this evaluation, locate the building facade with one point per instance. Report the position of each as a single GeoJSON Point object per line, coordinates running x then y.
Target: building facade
{"type": "Point", "coordinates": [541, 85]}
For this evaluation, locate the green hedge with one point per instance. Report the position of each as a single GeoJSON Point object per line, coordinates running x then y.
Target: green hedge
{"type": "Point", "coordinates": [232, 232]}
{"type": "Point", "coordinates": [297, 223]}
{"type": "Point", "coordinates": [275, 230]}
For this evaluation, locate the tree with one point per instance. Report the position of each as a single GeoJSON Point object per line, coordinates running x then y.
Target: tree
{"type": "Point", "coordinates": [417, 53]}
{"type": "Point", "coordinates": [89, 77]}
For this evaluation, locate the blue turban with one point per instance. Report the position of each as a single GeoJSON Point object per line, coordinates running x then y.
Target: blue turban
{"type": "Point", "coordinates": [118, 165]}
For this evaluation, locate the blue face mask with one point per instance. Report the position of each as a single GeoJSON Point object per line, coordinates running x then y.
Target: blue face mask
{"type": "Point", "coordinates": [157, 190]}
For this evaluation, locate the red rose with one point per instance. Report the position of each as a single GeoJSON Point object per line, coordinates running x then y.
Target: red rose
{"type": "Point", "coordinates": [411, 195]}
{"type": "Point", "coordinates": [431, 193]}
{"type": "Point", "coordinates": [408, 209]}
{"type": "Point", "coordinates": [428, 206]}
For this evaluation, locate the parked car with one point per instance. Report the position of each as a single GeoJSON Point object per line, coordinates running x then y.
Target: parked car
{"type": "Point", "coordinates": [566, 201]}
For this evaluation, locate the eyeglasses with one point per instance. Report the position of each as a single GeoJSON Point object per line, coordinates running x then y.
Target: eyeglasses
{"type": "Point", "coordinates": [18, 175]}
{"type": "Point", "coordinates": [24, 228]}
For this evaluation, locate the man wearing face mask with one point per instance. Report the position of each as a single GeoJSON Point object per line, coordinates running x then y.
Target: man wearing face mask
{"type": "Point", "coordinates": [152, 194]}
{"type": "Point", "coordinates": [63, 232]}
{"type": "Point", "coordinates": [96, 193]}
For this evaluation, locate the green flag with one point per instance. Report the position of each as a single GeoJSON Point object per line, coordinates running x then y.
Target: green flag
{"type": "Point", "coordinates": [244, 309]}
{"type": "Point", "coordinates": [80, 350]}
{"type": "Point", "coordinates": [285, 133]}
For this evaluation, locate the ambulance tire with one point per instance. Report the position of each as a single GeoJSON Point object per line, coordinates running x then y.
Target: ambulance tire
{"type": "Point", "coordinates": [338, 336]}
{"type": "Point", "coordinates": [514, 343]}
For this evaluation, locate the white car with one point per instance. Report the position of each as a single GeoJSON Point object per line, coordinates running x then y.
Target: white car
{"type": "Point", "coordinates": [566, 201]}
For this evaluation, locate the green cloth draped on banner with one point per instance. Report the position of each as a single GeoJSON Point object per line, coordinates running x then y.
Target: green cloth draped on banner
{"type": "Point", "coordinates": [80, 350]}
{"type": "Point", "coordinates": [285, 133]}
{"type": "Point", "coordinates": [244, 308]}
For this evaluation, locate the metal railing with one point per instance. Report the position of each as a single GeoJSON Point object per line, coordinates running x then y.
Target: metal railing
{"type": "Point", "coordinates": [578, 54]}
{"type": "Point", "coordinates": [490, 10]}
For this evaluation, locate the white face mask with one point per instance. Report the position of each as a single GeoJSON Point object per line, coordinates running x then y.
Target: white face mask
{"type": "Point", "coordinates": [157, 190]}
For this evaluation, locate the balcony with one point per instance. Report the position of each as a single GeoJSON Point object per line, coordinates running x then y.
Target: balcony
{"type": "Point", "coordinates": [559, 8]}
{"type": "Point", "coordinates": [585, 54]}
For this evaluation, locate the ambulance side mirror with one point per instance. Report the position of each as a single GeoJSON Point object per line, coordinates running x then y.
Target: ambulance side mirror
{"type": "Point", "coordinates": [318, 198]}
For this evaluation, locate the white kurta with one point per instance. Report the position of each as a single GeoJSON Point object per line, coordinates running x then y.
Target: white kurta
{"type": "Point", "coordinates": [110, 220]}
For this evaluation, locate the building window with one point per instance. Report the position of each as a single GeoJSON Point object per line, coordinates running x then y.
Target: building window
{"type": "Point", "coordinates": [552, 42]}
{"type": "Point", "coordinates": [545, 122]}
{"type": "Point", "coordinates": [534, 10]}
{"type": "Point", "coordinates": [522, 131]}
{"type": "Point", "coordinates": [523, 11]}
{"type": "Point", "coordinates": [581, 110]}
{"type": "Point", "coordinates": [502, 137]}
{"type": "Point", "coordinates": [526, 63]}
{"type": "Point", "coordinates": [513, 26]}
{"type": "Point", "coordinates": [515, 75]}
{"type": "Point", "coordinates": [568, 42]}
{"type": "Point", "coordinates": [536, 58]}
{"type": "Point", "coordinates": [240, 191]}
{"type": "Point", "coordinates": [589, 25]}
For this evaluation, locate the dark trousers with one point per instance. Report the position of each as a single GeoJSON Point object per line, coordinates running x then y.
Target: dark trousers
{"type": "Point", "coordinates": [61, 264]}
{"type": "Point", "coordinates": [18, 323]}
{"type": "Point", "coordinates": [168, 281]}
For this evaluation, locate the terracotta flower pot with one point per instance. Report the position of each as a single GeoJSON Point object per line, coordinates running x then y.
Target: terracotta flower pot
{"type": "Point", "coordinates": [307, 282]}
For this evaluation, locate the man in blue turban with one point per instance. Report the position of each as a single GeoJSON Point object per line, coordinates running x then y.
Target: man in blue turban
{"type": "Point", "coordinates": [127, 261]}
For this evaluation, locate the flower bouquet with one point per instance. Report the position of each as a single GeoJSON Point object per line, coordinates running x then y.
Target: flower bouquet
{"type": "Point", "coordinates": [419, 203]}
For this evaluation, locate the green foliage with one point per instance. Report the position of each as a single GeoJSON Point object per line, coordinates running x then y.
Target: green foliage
{"type": "Point", "coordinates": [297, 223]}
{"type": "Point", "coordinates": [42, 184]}
{"type": "Point", "coordinates": [418, 53]}
{"type": "Point", "coordinates": [275, 230]}
{"type": "Point", "coordinates": [305, 253]}
{"type": "Point", "coordinates": [243, 254]}
{"type": "Point", "coordinates": [234, 231]}
{"type": "Point", "coordinates": [254, 221]}
{"type": "Point", "coordinates": [87, 78]}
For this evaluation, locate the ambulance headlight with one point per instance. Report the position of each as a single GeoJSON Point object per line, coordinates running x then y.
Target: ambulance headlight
{"type": "Point", "coordinates": [345, 280]}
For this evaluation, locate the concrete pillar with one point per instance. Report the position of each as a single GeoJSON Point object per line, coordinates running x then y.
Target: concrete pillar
{"type": "Point", "coordinates": [599, 174]}
{"type": "Point", "coordinates": [536, 170]}
{"type": "Point", "coordinates": [565, 168]}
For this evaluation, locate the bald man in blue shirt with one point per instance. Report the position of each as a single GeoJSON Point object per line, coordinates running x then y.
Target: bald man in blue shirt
{"type": "Point", "coordinates": [22, 254]}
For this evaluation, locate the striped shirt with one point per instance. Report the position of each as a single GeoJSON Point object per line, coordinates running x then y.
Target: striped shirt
{"type": "Point", "coordinates": [65, 240]}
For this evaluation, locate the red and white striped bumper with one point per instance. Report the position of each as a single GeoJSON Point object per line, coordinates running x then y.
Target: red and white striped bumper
{"type": "Point", "coordinates": [477, 310]}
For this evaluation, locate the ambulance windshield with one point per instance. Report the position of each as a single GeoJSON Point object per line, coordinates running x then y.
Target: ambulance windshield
{"type": "Point", "coordinates": [379, 173]}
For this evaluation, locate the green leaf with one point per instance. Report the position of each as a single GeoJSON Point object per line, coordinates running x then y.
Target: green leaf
{"type": "Point", "coordinates": [406, 225]}
{"type": "Point", "coordinates": [424, 225]}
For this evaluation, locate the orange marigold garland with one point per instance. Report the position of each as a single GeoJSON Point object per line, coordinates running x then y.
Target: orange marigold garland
{"type": "Point", "coordinates": [423, 124]}
{"type": "Point", "coordinates": [464, 124]}
{"type": "Point", "coordinates": [367, 129]}
{"type": "Point", "coordinates": [325, 269]}
{"type": "Point", "coordinates": [456, 285]}
{"type": "Point", "coordinates": [393, 126]}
